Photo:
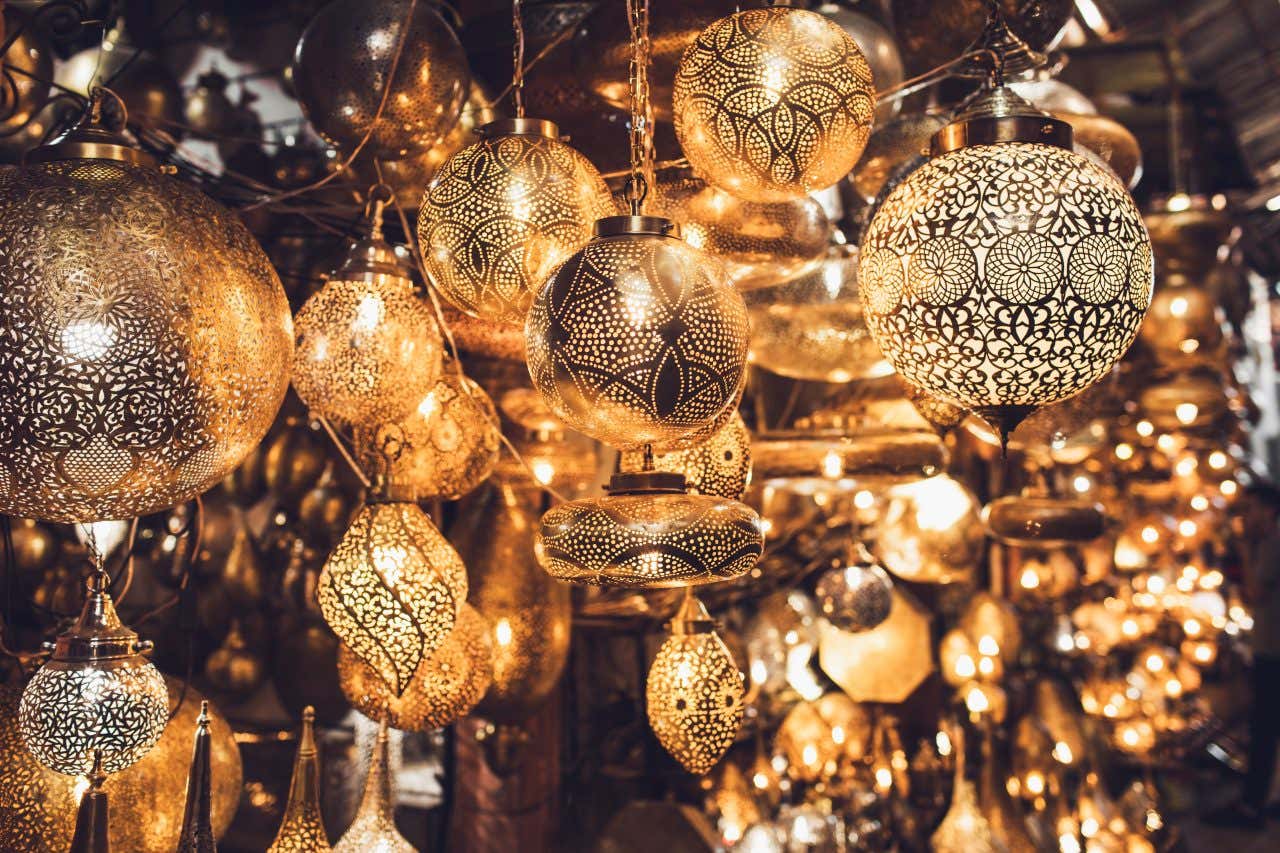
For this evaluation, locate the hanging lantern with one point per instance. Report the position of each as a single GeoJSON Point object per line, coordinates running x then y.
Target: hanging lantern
{"type": "Point", "coordinates": [973, 296]}
{"type": "Point", "coordinates": [694, 691]}
{"type": "Point", "coordinates": [368, 347]}
{"type": "Point", "coordinates": [302, 829]}
{"type": "Point", "coordinates": [374, 828]}
{"type": "Point", "coordinates": [929, 531]}
{"type": "Point", "coordinates": [528, 612]}
{"type": "Point", "coordinates": [818, 736]}
{"type": "Point", "coordinates": [884, 664]}
{"type": "Point", "coordinates": [773, 104]}
{"type": "Point", "coordinates": [503, 213]}
{"type": "Point", "coordinates": [98, 704]}
{"type": "Point", "coordinates": [891, 145]}
{"type": "Point", "coordinates": [445, 687]}
{"type": "Point", "coordinates": [392, 589]}
{"type": "Point", "coordinates": [758, 242]}
{"type": "Point", "coordinates": [28, 70]}
{"type": "Point", "coordinates": [1043, 521]}
{"type": "Point", "coordinates": [964, 828]}
{"type": "Point", "coordinates": [197, 834]}
{"type": "Point", "coordinates": [878, 47]}
{"type": "Point", "coordinates": [648, 531]}
{"type": "Point", "coordinates": [1109, 141]}
{"type": "Point", "coordinates": [812, 327]}
{"type": "Point", "coordinates": [341, 70]}
{"type": "Point", "coordinates": [857, 596]}
{"type": "Point", "coordinates": [118, 277]}
{"type": "Point", "coordinates": [992, 624]}
{"type": "Point", "coordinates": [637, 339]}
{"type": "Point", "coordinates": [719, 466]}
{"type": "Point", "coordinates": [445, 447]}
{"type": "Point", "coordinates": [1186, 324]}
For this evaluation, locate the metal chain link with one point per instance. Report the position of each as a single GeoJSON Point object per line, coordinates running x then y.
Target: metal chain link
{"type": "Point", "coordinates": [517, 76]}
{"type": "Point", "coordinates": [641, 132]}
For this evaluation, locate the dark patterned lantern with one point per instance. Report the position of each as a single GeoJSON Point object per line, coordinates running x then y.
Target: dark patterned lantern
{"type": "Point", "coordinates": [637, 338]}
{"type": "Point", "coordinates": [1008, 272]}
{"type": "Point", "coordinates": [773, 104]}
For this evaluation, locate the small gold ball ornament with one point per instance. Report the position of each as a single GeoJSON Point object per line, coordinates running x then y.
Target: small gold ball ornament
{"type": "Point", "coordinates": [504, 212]}
{"type": "Point", "coordinates": [773, 104]}
{"type": "Point", "coordinates": [637, 338]}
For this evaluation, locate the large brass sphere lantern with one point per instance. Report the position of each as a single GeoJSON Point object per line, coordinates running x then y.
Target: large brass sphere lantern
{"type": "Point", "coordinates": [145, 338]}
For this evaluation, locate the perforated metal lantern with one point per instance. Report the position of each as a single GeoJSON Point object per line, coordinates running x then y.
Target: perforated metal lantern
{"type": "Point", "coordinates": [649, 532]}
{"type": "Point", "coordinates": [694, 691]}
{"type": "Point", "coordinates": [772, 104]}
{"type": "Point", "coordinates": [1008, 275]}
{"type": "Point", "coordinates": [373, 830]}
{"type": "Point", "coordinates": [392, 589]}
{"type": "Point", "coordinates": [856, 596]}
{"type": "Point", "coordinates": [637, 338]}
{"type": "Point", "coordinates": [145, 337]}
{"type": "Point", "coordinates": [445, 687]}
{"type": "Point", "coordinates": [719, 466]}
{"type": "Point", "coordinates": [504, 212]}
{"type": "Point", "coordinates": [302, 829]}
{"type": "Point", "coordinates": [368, 347]}
{"type": "Point", "coordinates": [97, 698]}
{"type": "Point", "coordinates": [342, 63]}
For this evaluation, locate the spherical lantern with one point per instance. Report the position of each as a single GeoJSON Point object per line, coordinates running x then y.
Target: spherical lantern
{"type": "Point", "coordinates": [118, 277]}
{"type": "Point", "coordinates": [929, 531]}
{"type": "Point", "coordinates": [855, 597]}
{"type": "Point", "coordinates": [720, 466]}
{"type": "Point", "coordinates": [447, 685]}
{"type": "Point", "coordinates": [878, 47]}
{"type": "Point", "coordinates": [773, 104]}
{"type": "Point", "coordinates": [649, 532]}
{"type": "Point", "coordinates": [1005, 276]}
{"type": "Point", "coordinates": [1109, 141]}
{"type": "Point", "coordinates": [504, 212]}
{"type": "Point", "coordinates": [758, 242]}
{"type": "Point", "coordinates": [890, 146]}
{"type": "Point", "coordinates": [392, 588]}
{"type": "Point", "coordinates": [446, 447]}
{"type": "Point", "coordinates": [29, 67]}
{"type": "Point", "coordinates": [637, 338]}
{"type": "Point", "coordinates": [693, 693]}
{"type": "Point", "coordinates": [1185, 324]}
{"type": "Point", "coordinates": [341, 67]}
{"type": "Point", "coordinates": [811, 326]}
{"type": "Point", "coordinates": [98, 702]}
{"type": "Point", "coordinates": [368, 347]}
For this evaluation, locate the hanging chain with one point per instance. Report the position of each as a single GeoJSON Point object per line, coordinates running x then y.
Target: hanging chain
{"type": "Point", "coordinates": [517, 74]}
{"type": "Point", "coordinates": [642, 154]}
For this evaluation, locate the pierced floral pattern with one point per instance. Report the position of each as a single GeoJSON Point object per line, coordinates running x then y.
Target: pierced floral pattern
{"type": "Point", "coordinates": [392, 589]}
{"type": "Point", "coordinates": [773, 104]}
{"type": "Point", "coordinates": [145, 341]}
{"type": "Point", "coordinates": [694, 699]}
{"type": "Point", "coordinates": [70, 710]}
{"type": "Point", "coordinates": [637, 340]}
{"type": "Point", "coordinates": [1003, 275]}
{"type": "Point", "coordinates": [653, 540]}
{"type": "Point", "coordinates": [501, 214]}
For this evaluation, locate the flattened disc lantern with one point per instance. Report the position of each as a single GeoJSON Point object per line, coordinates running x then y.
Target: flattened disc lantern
{"type": "Point", "coordinates": [145, 337]}
{"type": "Point", "coordinates": [1043, 521]}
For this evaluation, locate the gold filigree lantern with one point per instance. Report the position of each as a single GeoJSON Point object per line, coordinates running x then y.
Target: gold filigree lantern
{"type": "Point", "coordinates": [719, 466]}
{"type": "Point", "coordinates": [392, 589]}
{"type": "Point", "coordinates": [1007, 272]}
{"type": "Point", "coordinates": [694, 691]}
{"type": "Point", "coordinates": [302, 829]}
{"type": "Point", "coordinates": [504, 212]}
{"type": "Point", "coordinates": [368, 347]}
{"type": "Point", "coordinates": [773, 104]}
{"type": "Point", "coordinates": [374, 828]}
{"type": "Point", "coordinates": [146, 337]}
{"type": "Point", "coordinates": [637, 338]}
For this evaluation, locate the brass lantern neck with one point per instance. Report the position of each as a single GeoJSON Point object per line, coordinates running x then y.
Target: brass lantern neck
{"type": "Point", "coordinates": [519, 127]}
{"type": "Point", "coordinates": [692, 618]}
{"type": "Point", "coordinates": [636, 226]}
{"type": "Point", "coordinates": [998, 51]}
{"type": "Point", "coordinates": [372, 258]}
{"type": "Point", "coordinates": [91, 138]}
{"type": "Point", "coordinates": [998, 114]}
{"type": "Point", "coordinates": [647, 483]}
{"type": "Point", "coordinates": [98, 634]}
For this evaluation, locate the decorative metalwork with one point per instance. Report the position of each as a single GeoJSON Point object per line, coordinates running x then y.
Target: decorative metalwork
{"type": "Point", "coordinates": [341, 70]}
{"type": "Point", "coordinates": [884, 664]}
{"type": "Point", "coordinates": [33, 817]}
{"type": "Point", "coordinates": [392, 589]}
{"type": "Point", "coordinates": [890, 146]}
{"type": "Point", "coordinates": [504, 212]}
{"type": "Point", "coordinates": [1009, 275]}
{"type": "Point", "coordinates": [637, 339]}
{"type": "Point", "coordinates": [758, 243]}
{"type": "Point", "coordinates": [446, 686]}
{"type": "Point", "coordinates": [772, 104]}
{"type": "Point", "coordinates": [694, 691]}
{"type": "Point", "coordinates": [98, 702]}
{"type": "Point", "coordinates": [653, 536]}
{"type": "Point", "coordinates": [720, 466]}
{"type": "Point", "coordinates": [446, 447]}
{"type": "Point", "coordinates": [145, 337]}
{"type": "Point", "coordinates": [807, 736]}
{"type": "Point", "coordinates": [374, 828]}
{"type": "Point", "coordinates": [302, 829]}
{"type": "Point", "coordinates": [856, 597]}
{"type": "Point", "coordinates": [930, 531]}
{"type": "Point", "coordinates": [368, 347]}
{"type": "Point", "coordinates": [197, 833]}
